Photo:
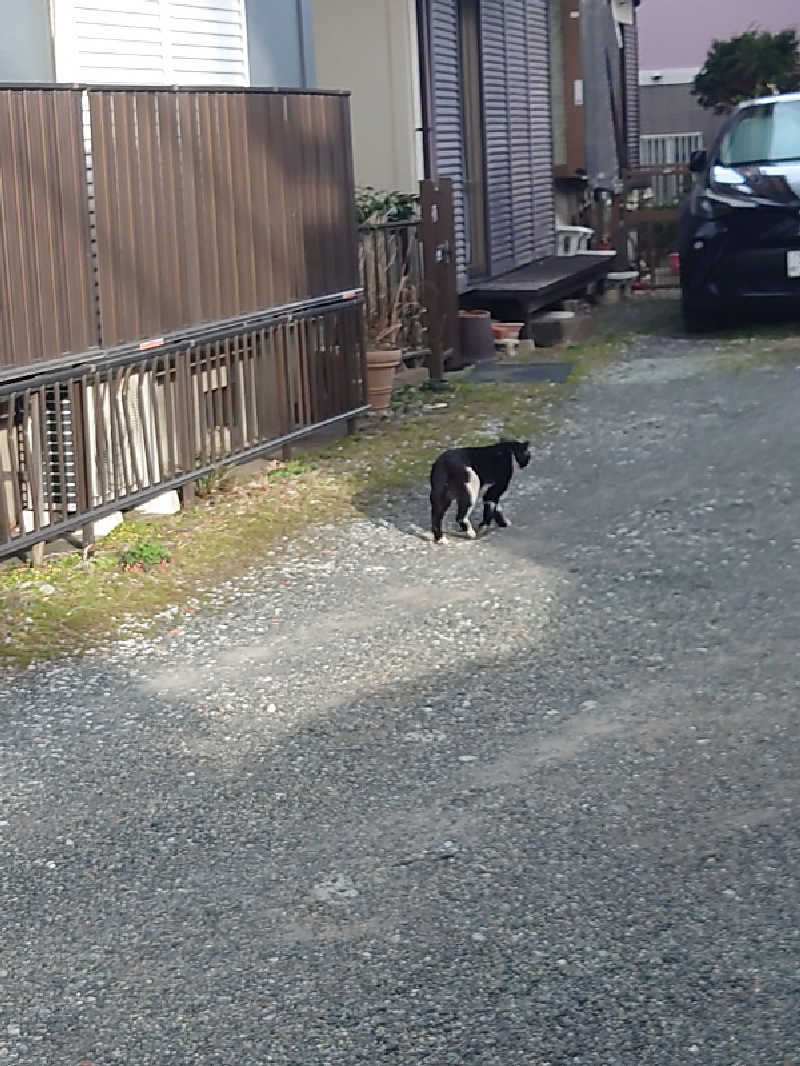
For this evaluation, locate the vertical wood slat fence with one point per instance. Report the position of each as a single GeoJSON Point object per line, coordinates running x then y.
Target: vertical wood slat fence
{"type": "Point", "coordinates": [652, 231]}
{"type": "Point", "coordinates": [206, 281]}
{"type": "Point", "coordinates": [408, 275]}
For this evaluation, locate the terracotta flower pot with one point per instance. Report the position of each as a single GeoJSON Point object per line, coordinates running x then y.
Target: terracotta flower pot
{"type": "Point", "coordinates": [507, 331]}
{"type": "Point", "coordinates": [381, 367]}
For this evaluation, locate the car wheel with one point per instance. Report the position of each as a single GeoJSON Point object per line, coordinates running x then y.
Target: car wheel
{"type": "Point", "coordinates": [694, 319]}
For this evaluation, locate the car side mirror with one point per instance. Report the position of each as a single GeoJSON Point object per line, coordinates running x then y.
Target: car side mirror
{"type": "Point", "coordinates": [698, 161]}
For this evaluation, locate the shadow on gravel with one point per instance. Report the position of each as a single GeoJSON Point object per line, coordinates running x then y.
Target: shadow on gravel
{"type": "Point", "coordinates": [481, 863]}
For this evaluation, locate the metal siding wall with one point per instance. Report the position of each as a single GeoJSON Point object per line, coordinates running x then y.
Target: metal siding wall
{"type": "Point", "coordinates": [213, 204]}
{"type": "Point", "coordinates": [448, 125]}
{"type": "Point", "coordinates": [497, 121]}
{"type": "Point", "coordinates": [520, 72]}
{"type": "Point", "coordinates": [46, 297]}
{"type": "Point", "coordinates": [541, 129]}
{"type": "Point", "coordinates": [630, 44]}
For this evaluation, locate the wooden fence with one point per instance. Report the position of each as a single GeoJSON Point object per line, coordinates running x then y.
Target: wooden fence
{"type": "Point", "coordinates": [180, 291]}
{"type": "Point", "coordinates": [408, 276]}
{"type": "Point", "coordinates": [652, 231]}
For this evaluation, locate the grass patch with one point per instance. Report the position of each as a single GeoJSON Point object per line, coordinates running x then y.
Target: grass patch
{"type": "Point", "coordinates": [144, 555]}
{"type": "Point", "coordinates": [68, 604]}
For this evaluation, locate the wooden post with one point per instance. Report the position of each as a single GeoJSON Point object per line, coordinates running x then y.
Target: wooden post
{"type": "Point", "coordinates": [618, 238]}
{"type": "Point", "coordinates": [437, 232]}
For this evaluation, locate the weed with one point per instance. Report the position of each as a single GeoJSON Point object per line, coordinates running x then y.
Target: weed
{"type": "Point", "coordinates": [144, 555]}
{"type": "Point", "coordinates": [221, 480]}
{"type": "Point", "coordinates": [292, 468]}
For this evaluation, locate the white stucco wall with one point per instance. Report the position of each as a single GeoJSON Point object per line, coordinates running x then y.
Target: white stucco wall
{"type": "Point", "coordinates": [370, 48]}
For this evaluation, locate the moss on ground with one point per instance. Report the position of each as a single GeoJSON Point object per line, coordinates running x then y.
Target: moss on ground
{"type": "Point", "coordinates": [68, 605]}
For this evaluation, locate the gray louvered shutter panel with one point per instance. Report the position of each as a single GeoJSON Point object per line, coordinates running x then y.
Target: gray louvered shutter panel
{"type": "Point", "coordinates": [541, 129]}
{"type": "Point", "coordinates": [449, 141]}
{"type": "Point", "coordinates": [630, 44]}
{"type": "Point", "coordinates": [497, 124]}
{"type": "Point", "coordinates": [519, 72]}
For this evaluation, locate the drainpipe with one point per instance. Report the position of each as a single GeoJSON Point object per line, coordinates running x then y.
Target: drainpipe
{"type": "Point", "coordinates": [425, 80]}
{"type": "Point", "coordinates": [301, 40]}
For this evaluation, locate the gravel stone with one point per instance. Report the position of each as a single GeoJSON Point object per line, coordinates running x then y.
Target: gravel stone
{"type": "Point", "coordinates": [267, 845]}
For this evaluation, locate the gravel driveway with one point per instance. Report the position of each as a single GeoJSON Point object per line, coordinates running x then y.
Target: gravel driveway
{"type": "Point", "coordinates": [531, 800]}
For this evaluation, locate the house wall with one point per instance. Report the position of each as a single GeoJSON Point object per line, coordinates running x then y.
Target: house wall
{"type": "Point", "coordinates": [632, 116]}
{"type": "Point", "coordinates": [26, 49]}
{"type": "Point", "coordinates": [558, 102]}
{"type": "Point", "coordinates": [370, 48]}
{"type": "Point", "coordinates": [518, 128]}
{"type": "Point", "coordinates": [280, 43]}
{"type": "Point", "coordinates": [673, 109]}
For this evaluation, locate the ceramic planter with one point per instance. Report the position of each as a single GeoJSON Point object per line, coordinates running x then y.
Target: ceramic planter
{"type": "Point", "coordinates": [381, 367]}
{"type": "Point", "coordinates": [477, 339]}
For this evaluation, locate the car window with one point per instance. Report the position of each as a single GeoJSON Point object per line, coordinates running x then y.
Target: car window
{"type": "Point", "coordinates": [766, 133]}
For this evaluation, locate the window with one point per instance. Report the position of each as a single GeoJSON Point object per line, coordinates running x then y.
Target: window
{"type": "Point", "coordinates": [151, 42]}
{"type": "Point", "coordinates": [764, 133]}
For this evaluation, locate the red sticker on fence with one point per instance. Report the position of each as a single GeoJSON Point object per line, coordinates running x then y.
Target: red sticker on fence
{"type": "Point", "coordinates": [155, 343]}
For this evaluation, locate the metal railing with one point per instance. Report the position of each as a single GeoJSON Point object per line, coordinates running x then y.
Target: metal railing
{"type": "Point", "coordinates": [658, 154]}
{"type": "Point", "coordinates": [82, 441]}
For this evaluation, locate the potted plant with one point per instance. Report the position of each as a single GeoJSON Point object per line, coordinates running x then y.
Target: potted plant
{"type": "Point", "coordinates": [384, 350]}
{"type": "Point", "coordinates": [383, 358]}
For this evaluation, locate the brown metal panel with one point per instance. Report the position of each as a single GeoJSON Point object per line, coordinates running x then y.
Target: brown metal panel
{"type": "Point", "coordinates": [316, 213]}
{"type": "Point", "coordinates": [244, 215]}
{"type": "Point", "coordinates": [171, 232]}
{"type": "Point", "coordinates": [44, 222]}
{"type": "Point", "coordinates": [264, 246]}
{"type": "Point", "coordinates": [128, 296]}
{"type": "Point", "coordinates": [43, 327]}
{"type": "Point", "coordinates": [205, 148]}
{"type": "Point", "coordinates": [344, 220]}
{"type": "Point", "coordinates": [292, 146]}
{"type": "Point", "coordinates": [24, 302]}
{"type": "Point", "coordinates": [279, 180]}
{"type": "Point", "coordinates": [187, 213]}
{"type": "Point", "coordinates": [16, 296]}
{"type": "Point", "coordinates": [221, 165]}
{"type": "Point", "coordinates": [105, 206]}
{"type": "Point", "coordinates": [322, 194]}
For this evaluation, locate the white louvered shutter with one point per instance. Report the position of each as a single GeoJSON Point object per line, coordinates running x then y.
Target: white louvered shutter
{"type": "Point", "coordinates": [151, 42]}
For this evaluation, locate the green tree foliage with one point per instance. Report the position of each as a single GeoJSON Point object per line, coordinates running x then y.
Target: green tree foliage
{"type": "Point", "coordinates": [753, 64]}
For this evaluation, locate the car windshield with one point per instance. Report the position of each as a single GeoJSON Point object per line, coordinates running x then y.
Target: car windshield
{"type": "Point", "coordinates": [765, 133]}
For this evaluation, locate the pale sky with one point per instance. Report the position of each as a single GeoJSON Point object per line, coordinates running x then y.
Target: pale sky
{"type": "Point", "coordinates": [678, 33]}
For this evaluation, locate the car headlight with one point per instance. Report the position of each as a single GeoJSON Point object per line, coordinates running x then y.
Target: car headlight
{"type": "Point", "coordinates": [714, 205]}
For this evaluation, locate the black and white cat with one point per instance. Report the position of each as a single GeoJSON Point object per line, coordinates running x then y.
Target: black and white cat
{"type": "Point", "coordinates": [462, 474]}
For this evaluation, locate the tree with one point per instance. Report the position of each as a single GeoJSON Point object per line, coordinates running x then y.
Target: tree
{"type": "Point", "coordinates": [755, 63]}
